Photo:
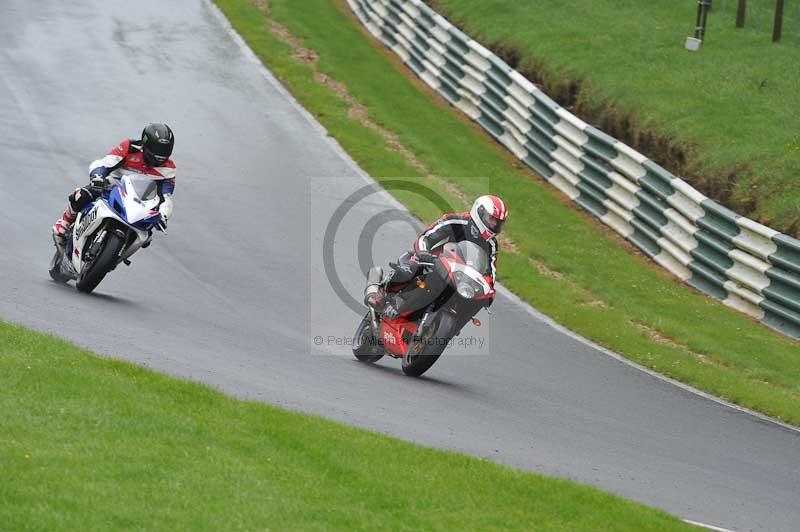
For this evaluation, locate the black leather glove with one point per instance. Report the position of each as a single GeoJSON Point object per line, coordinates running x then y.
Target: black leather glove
{"type": "Point", "coordinates": [98, 181]}
{"type": "Point", "coordinates": [425, 256]}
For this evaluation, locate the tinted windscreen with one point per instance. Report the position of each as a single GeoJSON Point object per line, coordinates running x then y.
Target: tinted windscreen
{"type": "Point", "coordinates": [474, 256]}
{"type": "Point", "coordinates": [144, 187]}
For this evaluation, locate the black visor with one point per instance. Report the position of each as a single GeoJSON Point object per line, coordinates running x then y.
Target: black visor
{"type": "Point", "coordinates": [494, 225]}
{"type": "Point", "coordinates": [160, 150]}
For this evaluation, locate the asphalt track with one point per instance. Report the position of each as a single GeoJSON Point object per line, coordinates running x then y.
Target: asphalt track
{"type": "Point", "coordinates": [236, 292]}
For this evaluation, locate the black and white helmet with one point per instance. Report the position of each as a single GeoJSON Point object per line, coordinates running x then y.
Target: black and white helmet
{"type": "Point", "coordinates": [157, 144]}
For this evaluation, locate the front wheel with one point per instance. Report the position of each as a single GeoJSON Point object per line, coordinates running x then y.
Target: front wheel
{"type": "Point", "coordinates": [365, 344]}
{"type": "Point", "coordinates": [425, 351]}
{"type": "Point", "coordinates": [103, 262]}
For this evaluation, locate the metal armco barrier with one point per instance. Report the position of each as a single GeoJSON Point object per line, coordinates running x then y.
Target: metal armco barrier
{"type": "Point", "coordinates": [746, 265]}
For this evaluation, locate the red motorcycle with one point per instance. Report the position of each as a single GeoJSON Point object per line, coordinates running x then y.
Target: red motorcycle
{"type": "Point", "coordinates": [446, 294]}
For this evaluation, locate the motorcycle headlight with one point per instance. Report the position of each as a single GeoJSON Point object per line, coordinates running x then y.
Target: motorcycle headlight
{"type": "Point", "coordinates": [466, 286]}
{"type": "Point", "coordinates": [466, 290]}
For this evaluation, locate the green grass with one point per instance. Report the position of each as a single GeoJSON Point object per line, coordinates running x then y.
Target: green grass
{"type": "Point", "coordinates": [713, 348]}
{"type": "Point", "coordinates": [733, 107]}
{"type": "Point", "coordinates": [93, 444]}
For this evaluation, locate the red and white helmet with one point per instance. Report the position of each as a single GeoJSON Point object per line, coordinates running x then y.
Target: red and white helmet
{"type": "Point", "coordinates": [489, 214]}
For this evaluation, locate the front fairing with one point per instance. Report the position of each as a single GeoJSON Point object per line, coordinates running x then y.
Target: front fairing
{"type": "Point", "coordinates": [439, 290]}
{"type": "Point", "coordinates": [135, 201]}
{"type": "Point", "coordinates": [464, 265]}
{"type": "Point", "coordinates": [87, 227]}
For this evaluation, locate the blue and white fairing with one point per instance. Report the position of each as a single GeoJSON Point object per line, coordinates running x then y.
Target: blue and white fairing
{"type": "Point", "coordinates": [133, 202]}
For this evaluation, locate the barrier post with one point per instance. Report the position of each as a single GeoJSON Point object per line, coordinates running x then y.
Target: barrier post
{"type": "Point", "coordinates": [702, 19]}
{"type": "Point", "coordinates": [778, 26]}
{"type": "Point", "coordinates": [740, 13]}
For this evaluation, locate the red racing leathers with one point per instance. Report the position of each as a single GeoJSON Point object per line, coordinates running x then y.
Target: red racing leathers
{"type": "Point", "coordinates": [127, 155]}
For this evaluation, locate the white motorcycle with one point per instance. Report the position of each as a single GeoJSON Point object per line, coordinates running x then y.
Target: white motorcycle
{"type": "Point", "coordinates": [108, 231]}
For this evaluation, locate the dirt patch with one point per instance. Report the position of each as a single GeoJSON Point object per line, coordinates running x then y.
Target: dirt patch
{"type": "Point", "coordinates": [590, 300]}
{"type": "Point", "coordinates": [263, 6]}
{"type": "Point", "coordinates": [506, 244]}
{"type": "Point", "coordinates": [544, 271]}
{"type": "Point", "coordinates": [304, 55]}
{"type": "Point", "coordinates": [658, 338]}
{"type": "Point", "coordinates": [595, 303]}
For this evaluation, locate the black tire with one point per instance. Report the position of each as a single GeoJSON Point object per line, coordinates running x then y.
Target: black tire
{"type": "Point", "coordinates": [104, 262]}
{"type": "Point", "coordinates": [365, 346]}
{"type": "Point", "coordinates": [423, 354]}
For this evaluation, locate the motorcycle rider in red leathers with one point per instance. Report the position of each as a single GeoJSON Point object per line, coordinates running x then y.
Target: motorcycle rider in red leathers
{"type": "Point", "coordinates": [480, 225]}
{"type": "Point", "coordinates": [149, 156]}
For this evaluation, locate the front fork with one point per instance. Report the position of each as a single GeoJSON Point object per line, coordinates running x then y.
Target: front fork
{"type": "Point", "coordinates": [423, 322]}
{"type": "Point", "coordinates": [374, 317]}
{"type": "Point", "coordinates": [95, 246]}
{"type": "Point", "coordinates": [375, 282]}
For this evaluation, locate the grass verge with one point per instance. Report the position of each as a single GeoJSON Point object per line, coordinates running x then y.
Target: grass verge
{"type": "Point", "coordinates": [562, 261]}
{"type": "Point", "coordinates": [726, 118]}
{"type": "Point", "coordinates": [93, 444]}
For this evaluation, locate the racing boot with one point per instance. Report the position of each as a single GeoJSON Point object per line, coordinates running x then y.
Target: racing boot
{"type": "Point", "coordinates": [62, 227]}
{"type": "Point", "coordinates": [373, 293]}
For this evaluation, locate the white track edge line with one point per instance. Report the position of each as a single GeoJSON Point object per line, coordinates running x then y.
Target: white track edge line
{"type": "Point", "coordinates": [707, 527]}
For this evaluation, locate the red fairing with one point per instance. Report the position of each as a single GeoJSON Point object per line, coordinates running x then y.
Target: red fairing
{"type": "Point", "coordinates": [488, 296]}
{"type": "Point", "coordinates": [392, 332]}
{"type": "Point", "coordinates": [447, 257]}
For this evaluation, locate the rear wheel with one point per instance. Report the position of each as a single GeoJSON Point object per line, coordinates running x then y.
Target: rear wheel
{"type": "Point", "coordinates": [365, 345]}
{"type": "Point", "coordinates": [425, 351]}
{"type": "Point", "coordinates": [104, 261]}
